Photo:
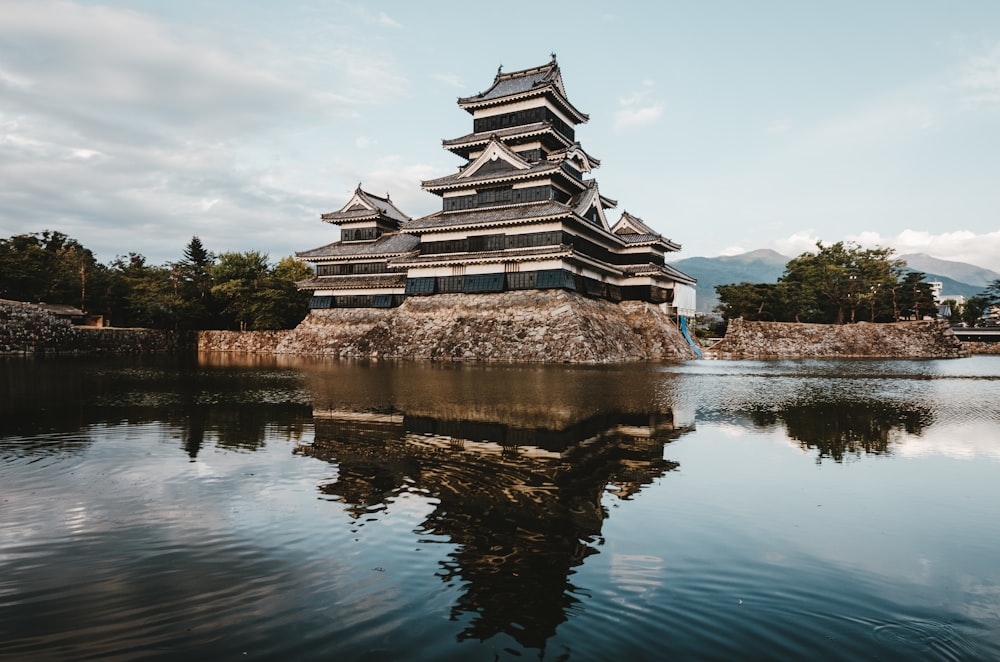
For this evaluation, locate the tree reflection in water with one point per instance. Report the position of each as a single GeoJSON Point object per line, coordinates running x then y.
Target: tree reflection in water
{"type": "Point", "coordinates": [838, 429]}
{"type": "Point", "coordinates": [55, 404]}
{"type": "Point", "coordinates": [523, 505]}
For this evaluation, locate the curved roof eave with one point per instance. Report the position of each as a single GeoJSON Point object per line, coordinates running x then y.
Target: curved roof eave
{"type": "Point", "coordinates": [470, 104]}
{"type": "Point", "coordinates": [453, 182]}
{"type": "Point", "coordinates": [473, 225]}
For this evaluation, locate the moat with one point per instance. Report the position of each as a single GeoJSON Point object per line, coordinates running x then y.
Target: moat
{"type": "Point", "coordinates": [262, 507]}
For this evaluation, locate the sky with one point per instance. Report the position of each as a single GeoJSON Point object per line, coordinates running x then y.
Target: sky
{"type": "Point", "coordinates": [132, 126]}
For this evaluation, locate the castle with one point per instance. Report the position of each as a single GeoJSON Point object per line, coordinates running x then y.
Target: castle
{"type": "Point", "coordinates": [520, 214]}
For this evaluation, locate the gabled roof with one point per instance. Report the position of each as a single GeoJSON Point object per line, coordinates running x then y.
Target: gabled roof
{"type": "Point", "coordinates": [389, 244]}
{"type": "Point", "coordinates": [591, 199]}
{"type": "Point", "coordinates": [633, 230]}
{"type": "Point", "coordinates": [366, 206]}
{"type": "Point", "coordinates": [516, 85]}
{"type": "Point", "coordinates": [495, 151]}
{"type": "Point", "coordinates": [585, 162]}
{"type": "Point", "coordinates": [489, 176]}
{"type": "Point", "coordinates": [629, 224]}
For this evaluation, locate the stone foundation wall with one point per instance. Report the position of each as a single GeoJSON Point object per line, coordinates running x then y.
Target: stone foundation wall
{"type": "Point", "coordinates": [30, 330]}
{"type": "Point", "coordinates": [25, 329]}
{"type": "Point", "coordinates": [547, 326]}
{"type": "Point", "coordinates": [536, 326]}
{"type": "Point", "coordinates": [258, 342]}
{"type": "Point", "coordinates": [983, 347]}
{"type": "Point", "coordinates": [779, 340]}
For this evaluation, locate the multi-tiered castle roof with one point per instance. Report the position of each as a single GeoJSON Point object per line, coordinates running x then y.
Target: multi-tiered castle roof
{"type": "Point", "coordinates": [521, 213]}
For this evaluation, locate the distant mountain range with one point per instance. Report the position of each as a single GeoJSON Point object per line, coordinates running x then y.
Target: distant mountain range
{"type": "Point", "coordinates": [766, 266]}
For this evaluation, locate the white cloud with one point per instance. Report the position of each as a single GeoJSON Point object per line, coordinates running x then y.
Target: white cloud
{"type": "Point", "coordinates": [638, 110]}
{"type": "Point", "coordinates": [982, 250]}
{"type": "Point", "coordinates": [979, 249]}
{"type": "Point", "coordinates": [132, 134]}
{"type": "Point", "coordinates": [981, 79]}
{"type": "Point", "coordinates": [388, 21]}
{"type": "Point", "coordinates": [392, 175]}
{"type": "Point", "coordinates": [796, 244]}
{"type": "Point", "coordinates": [114, 72]}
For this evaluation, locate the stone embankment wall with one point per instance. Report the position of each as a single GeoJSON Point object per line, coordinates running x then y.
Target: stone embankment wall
{"type": "Point", "coordinates": [29, 330]}
{"type": "Point", "coordinates": [547, 326]}
{"type": "Point", "coordinates": [778, 340]}
{"type": "Point", "coordinates": [257, 342]}
{"type": "Point", "coordinates": [983, 347]}
{"type": "Point", "coordinates": [26, 329]}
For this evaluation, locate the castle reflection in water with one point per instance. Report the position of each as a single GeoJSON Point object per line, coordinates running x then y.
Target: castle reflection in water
{"type": "Point", "coordinates": [522, 505]}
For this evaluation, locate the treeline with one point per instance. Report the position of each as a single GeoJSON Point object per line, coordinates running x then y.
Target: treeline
{"type": "Point", "coordinates": [201, 290]}
{"type": "Point", "coordinates": [843, 283]}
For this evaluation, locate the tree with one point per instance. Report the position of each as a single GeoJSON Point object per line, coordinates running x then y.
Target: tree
{"type": "Point", "coordinates": [192, 278]}
{"type": "Point", "coordinates": [196, 255]}
{"type": "Point", "coordinates": [751, 301]}
{"type": "Point", "coordinates": [878, 273]}
{"type": "Point", "coordinates": [257, 297]}
{"type": "Point", "coordinates": [915, 297]}
{"type": "Point", "coordinates": [143, 295]}
{"type": "Point", "coordinates": [237, 279]}
{"type": "Point", "coordinates": [974, 309]}
{"type": "Point", "coordinates": [992, 293]}
{"type": "Point", "coordinates": [295, 305]}
{"type": "Point", "coordinates": [839, 282]}
{"type": "Point", "coordinates": [46, 266]}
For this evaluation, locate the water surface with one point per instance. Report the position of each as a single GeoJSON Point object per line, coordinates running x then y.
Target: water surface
{"type": "Point", "coordinates": [231, 507]}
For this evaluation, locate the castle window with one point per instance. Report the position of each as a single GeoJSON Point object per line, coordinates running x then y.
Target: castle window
{"type": "Point", "coordinates": [483, 283]}
{"type": "Point", "coordinates": [420, 286]}
{"type": "Point", "coordinates": [321, 302]}
{"type": "Point", "coordinates": [359, 234]}
{"type": "Point", "coordinates": [494, 196]}
{"type": "Point", "coordinates": [524, 280]}
{"type": "Point", "coordinates": [450, 284]}
{"type": "Point", "coordinates": [522, 117]}
{"type": "Point", "coordinates": [487, 242]}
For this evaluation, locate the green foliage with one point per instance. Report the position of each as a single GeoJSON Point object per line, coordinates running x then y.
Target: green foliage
{"type": "Point", "coordinates": [144, 295]}
{"type": "Point", "coordinates": [914, 297]}
{"type": "Point", "coordinates": [839, 283]}
{"type": "Point", "coordinates": [52, 268]}
{"type": "Point", "coordinates": [199, 291]}
{"type": "Point", "coordinates": [752, 301]}
{"type": "Point", "coordinates": [192, 277]}
{"type": "Point", "coordinates": [992, 293]}
{"type": "Point", "coordinates": [256, 297]}
{"type": "Point", "coordinates": [974, 309]}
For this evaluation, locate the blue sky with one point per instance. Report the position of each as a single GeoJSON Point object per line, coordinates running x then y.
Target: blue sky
{"type": "Point", "coordinates": [727, 126]}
